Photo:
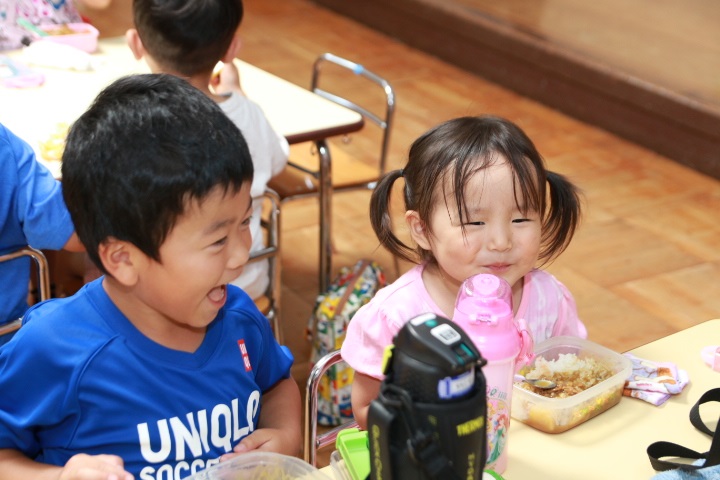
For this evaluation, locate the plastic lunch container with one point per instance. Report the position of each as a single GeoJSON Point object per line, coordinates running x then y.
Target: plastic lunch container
{"type": "Point", "coordinates": [85, 36]}
{"type": "Point", "coordinates": [555, 415]}
{"type": "Point", "coordinates": [261, 466]}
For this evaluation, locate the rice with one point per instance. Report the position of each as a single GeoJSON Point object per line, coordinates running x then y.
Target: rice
{"type": "Point", "coordinates": [571, 374]}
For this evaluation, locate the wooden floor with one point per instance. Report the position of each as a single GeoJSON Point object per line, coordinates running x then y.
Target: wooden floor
{"type": "Point", "coordinates": [646, 260]}
{"type": "Point", "coordinates": [646, 70]}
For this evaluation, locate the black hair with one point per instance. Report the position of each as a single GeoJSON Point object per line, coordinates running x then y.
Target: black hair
{"type": "Point", "coordinates": [448, 155]}
{"type": "Point", "coordinates": [187, 36]}
{"type": "Point", "coordinates": [146, 147]}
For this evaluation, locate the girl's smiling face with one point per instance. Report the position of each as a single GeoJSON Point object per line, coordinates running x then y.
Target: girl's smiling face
{"type": "Point", "coordinates": [500, 238]}
{"type": "Point", "coordinates": [205, 250]}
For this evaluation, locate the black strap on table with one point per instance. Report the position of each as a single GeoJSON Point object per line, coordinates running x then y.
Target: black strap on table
{"type": "Point", "coordinates": [659, 450]}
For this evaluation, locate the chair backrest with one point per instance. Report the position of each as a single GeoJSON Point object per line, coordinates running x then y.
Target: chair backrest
{"type": "Point", "coordinates": [381, 116]}
{"type": "Point", "coordinates": [43, 282]}
{"type": "Point", "coordinates": [313, 440]}
{"type": "Point", "coordinates": [269, 303]}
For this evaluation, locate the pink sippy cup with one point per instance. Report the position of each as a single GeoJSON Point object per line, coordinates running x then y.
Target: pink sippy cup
{"type": "Point", "coordinates": [483, 309]}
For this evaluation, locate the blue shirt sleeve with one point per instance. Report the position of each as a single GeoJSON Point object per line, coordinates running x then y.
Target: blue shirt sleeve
{"type": "Point", "coordinates": [33, 209]}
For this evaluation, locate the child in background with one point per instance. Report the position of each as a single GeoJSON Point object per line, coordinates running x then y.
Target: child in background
{"type": "Point", "coordinates": [32, 212]}
{"type": "Point", "coordinates": [159, 368]}
{"type": "Point", "coordinates": [188, 38]}
{"type": "Point", "coordinates": [478, 199]}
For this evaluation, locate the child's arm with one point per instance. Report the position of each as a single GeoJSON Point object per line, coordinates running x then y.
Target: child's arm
{"type": "Point", "coordinates": [279, 428]}
{"type": "Point", "coordinates": [74, 244]}
{"type": "Point", "coordinates": [14, 465]}
{"type": "Point", "coordinates": [226, 80]}
{"type": "Point", "coordinates": [365, 389]}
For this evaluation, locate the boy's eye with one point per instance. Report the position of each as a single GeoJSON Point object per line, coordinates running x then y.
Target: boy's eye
{"type": "Point", "coordinates": [246, 222]}
{"type": "Point", "coordinates": [475, 223]}
{"type": "Point", "coordinates": [221, 242]}
{"type": "Point", "coordinates": [521, 220]}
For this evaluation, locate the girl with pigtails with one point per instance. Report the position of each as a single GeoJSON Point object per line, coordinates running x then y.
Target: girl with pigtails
{"type": "Point", "coordinates": [478, 199]}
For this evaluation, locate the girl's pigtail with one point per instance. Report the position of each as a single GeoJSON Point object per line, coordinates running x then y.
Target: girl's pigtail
{"type": "Point", "coordinates": [563, 217]}
{"type": "Point", "coordinates": [382, 221]}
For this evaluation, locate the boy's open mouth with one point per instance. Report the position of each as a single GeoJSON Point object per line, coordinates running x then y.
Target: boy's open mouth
{"type": "Point", "coordinates": [217, 294]}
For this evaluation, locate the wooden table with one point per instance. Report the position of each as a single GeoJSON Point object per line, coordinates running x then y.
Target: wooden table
{"type": "Point", "coordinates": [298, 114]}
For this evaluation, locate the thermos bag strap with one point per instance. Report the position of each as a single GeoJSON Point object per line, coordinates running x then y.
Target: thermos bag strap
{"type": "Point", "coordinates": [463, 432]}
{"type": "Point", "coordinates": [659, 450]}
{"type": "Point", "coordinates": [381, 455]}
{"type": "Point", "coordinates": [393, 410]}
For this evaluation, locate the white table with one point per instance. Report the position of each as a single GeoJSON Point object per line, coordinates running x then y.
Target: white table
{"type": "Point", "coordinates": [298, 114]}
{"type": "Point", "coordinates": [613, 444]}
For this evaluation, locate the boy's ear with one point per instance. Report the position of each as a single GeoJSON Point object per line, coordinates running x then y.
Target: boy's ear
{"type": "Point", "coordinates": [122, 260]}
{"type": "Point", "coordinates": [232, 50]}
{"type": "Point", "coordinates": [135, 44]}
{"type": "Point", "coordinates": [417, 229]}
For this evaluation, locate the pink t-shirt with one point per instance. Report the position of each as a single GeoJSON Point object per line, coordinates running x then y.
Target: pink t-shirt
{"type": "Point", "coordinates": [546, 305]}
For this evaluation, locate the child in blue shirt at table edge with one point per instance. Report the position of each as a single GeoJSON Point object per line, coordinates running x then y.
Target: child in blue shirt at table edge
{"type": "Point", "coordinates": [159, 368]}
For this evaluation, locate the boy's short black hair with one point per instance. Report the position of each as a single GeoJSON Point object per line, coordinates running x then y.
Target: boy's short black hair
{"type": "Point", "coordinates": [187, 36]}
{"type": "Point", "coordinates": [147, 146]}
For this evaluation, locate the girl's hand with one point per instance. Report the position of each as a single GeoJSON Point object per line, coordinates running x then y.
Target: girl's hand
{"type": "Point", "coordinates": [94, 467]}
{"type": "Point", "coordinates": [265, 440]}
{"type": "Point", "coordinates": [226, 80]}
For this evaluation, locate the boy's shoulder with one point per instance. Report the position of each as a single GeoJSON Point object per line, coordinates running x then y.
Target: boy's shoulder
{"type": "Point", "coordinates": [239, 306]}
{"type": "Point", "coordinates": [246, 114]}
{"type": "Point", "coordinates": [53, 311]}
{"type": "Point", "coordinates": [60, 334]}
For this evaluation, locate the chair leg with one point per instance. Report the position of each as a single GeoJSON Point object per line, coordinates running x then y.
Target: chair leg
{"type": "Point", "coordinates": [313, 441]}
{"type": "Point", "coordinates": [326, 190]}
{"type": "Point", "coordinates": [311, 404]}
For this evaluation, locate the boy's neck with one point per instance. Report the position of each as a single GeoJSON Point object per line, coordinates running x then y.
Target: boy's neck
{"type": "Point", "coordinates": [159, 329]}
{"type": "Point", "coordinates": [201, 81]}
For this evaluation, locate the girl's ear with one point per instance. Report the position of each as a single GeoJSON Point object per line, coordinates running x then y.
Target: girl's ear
{"type": "Point", "coordinates": [135, 44]}
{"type": "Point", "coordinates": [418, 232]}
{"type": "Point", "coordinates": [122, 260]}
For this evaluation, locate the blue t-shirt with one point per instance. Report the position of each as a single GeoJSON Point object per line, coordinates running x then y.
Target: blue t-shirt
{"type": "Point", "coordinates": [32, 212]}
{"type": "Point", "coordinates": [80, 378]}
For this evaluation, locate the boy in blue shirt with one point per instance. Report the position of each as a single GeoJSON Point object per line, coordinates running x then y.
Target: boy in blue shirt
{"type": "Point", "coordinates": [32, 212]}
{"type": "Point", "coordinates": [158, 369]}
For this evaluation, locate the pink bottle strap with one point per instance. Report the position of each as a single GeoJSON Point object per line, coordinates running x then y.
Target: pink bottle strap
{"type": "Point", "coordinates": [526, 354]}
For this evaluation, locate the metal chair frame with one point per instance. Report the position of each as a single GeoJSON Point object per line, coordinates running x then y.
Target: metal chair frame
{"type": "Point", "coordinates": [271, 225]}
{"type": "Point", "coordinates": [313, 440]}
{"type": "Point", "coordinates": [43, 272]}
{"type": "Point", "coordinates": [324, 189]}
{"type": "Point", "coordinates": [384, 123]}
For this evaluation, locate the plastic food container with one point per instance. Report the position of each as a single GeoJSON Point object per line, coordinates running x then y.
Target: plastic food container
{"type": "Point", "coordinates": [82, 36]}
{"type": "Point", "coordinates": [555, 415]}
{"type": "Point", "coordinates": [261, 466]}
{"type": "Point", "coordinates": [338, 466]}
